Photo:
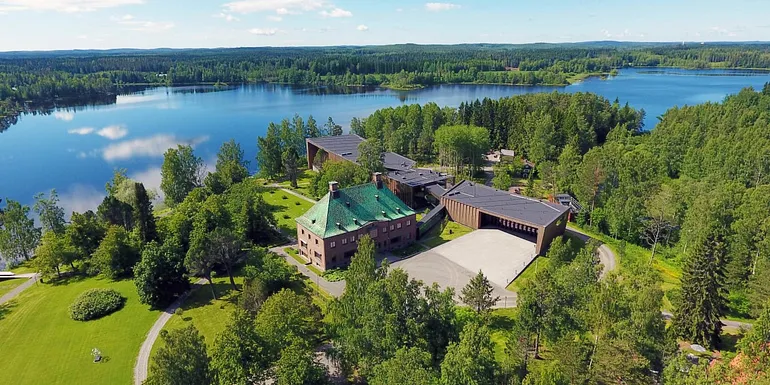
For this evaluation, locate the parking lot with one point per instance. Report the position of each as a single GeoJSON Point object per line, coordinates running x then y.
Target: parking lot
{"type": "Point", "coordinates": [499, 255]}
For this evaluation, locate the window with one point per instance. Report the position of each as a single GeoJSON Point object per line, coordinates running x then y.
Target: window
{"type": "Point", "coordinates": [303, 231]}
{"type": "Point", "coordinates": [408, 235]}
{"type": "Point", "coordinates": [303, 244]}
{"type": "Point", "coordinates": [408, 223]}
{"type": "Point", "coordinates": [334, 259]}
{"type": "Point", "coordinates": [333, 245]}
{"type": "Point", "coordinates": [385, 229]}
{"type": "Point", "coordinates": [316, 241]}
{"type": "Point", "coordinates": [360, 236]}
{"type": "Point", "coordinates": [344, 241]}
{"type": "Point", "coordinates": [392, 227]}
{"type": "Point", "coordinates": [352, 239]}
{"type": "Point", "coordinates": [308, 236]}
{"type": "Point", "coordinates": [398, 226]}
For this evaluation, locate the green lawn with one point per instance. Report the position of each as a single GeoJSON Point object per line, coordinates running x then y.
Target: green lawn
{"type": "Point", "coordinates": [24, 268]}
{"type": "Point", "coordinates": [7, 285]}
{"type": "Point", "coordinates": [452, 230]}
{"type": "Point", "coordinates": [529, 273]}
{"type": "Point", "coordinates": [501, 323]}
{"type": "Point", "coordinates": [208, 315]}
{"type": "Point", "coordinates": [303, 183]}
{"type": "Point", "coordinates": [42, 345]}
{"type": "Point", "coordinates": [288, 208]}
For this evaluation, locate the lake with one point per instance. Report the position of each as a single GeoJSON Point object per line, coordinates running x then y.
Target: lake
{"type": "Point", "coordinates": [76, 150]}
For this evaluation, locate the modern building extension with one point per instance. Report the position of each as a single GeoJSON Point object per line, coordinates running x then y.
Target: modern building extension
{"type": "Point", "coordinates": [403, 178]}
{"type": "Point", "coordinates": [478, 206]}
{"type": "Point", "coordinates": [328, 233]}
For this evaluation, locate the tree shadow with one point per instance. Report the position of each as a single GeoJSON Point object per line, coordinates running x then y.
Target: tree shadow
{"type": "Point", "coordinates": [6, 308]}
{"type": "Point", "coordinates": [202, 295]}
{"type": "Point", "coordinates": [65, 279]}
{"type": "Point", "coordinates": [729, 342]}
{"type": "Point", "coordinates": [501, 322]}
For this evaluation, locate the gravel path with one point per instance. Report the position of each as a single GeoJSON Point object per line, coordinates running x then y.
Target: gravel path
{"type": "Point", "coordinates": [143, 360]}
{"type": "Point", "coordinates": [31, 279]}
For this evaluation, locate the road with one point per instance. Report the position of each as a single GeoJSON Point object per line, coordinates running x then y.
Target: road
{"type": "Point", "coordinates": [31, 279]}
{"type": "Point", "coordinates": [143, 360]}
{"type": "Point", "coordinates": [606, 256]}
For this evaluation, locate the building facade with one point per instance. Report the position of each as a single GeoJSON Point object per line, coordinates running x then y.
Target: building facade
{"type": "Point", "coordinates": [328, 233]}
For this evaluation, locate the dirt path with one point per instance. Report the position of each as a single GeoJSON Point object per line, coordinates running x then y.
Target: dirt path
{"type": "Point", "coordinates": [143, 360]}
{"type": "Point", "coordinates": [31, 279]}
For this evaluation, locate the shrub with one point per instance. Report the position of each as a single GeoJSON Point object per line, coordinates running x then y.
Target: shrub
{"type": "Point", "coordinates": [96, 303]}
{"type": "Point", "coordinates": [286, 216]}
{"type": "Point", "coordinates": [334, 275]}
{"type": "Point", "coordinates": [296, 203]}
{"type": "Point", "coordinates": [284, 197]}
{"type": "Point", "coordinates": [179, 312]}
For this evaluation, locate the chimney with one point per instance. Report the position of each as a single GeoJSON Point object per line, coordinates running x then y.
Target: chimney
{"type": "Point", "coordinates": [334, 189]}
{"type": "Point", "coordinates": [377, 179]}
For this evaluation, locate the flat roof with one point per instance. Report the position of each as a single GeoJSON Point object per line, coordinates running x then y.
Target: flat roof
{"type": "Point", "coordinates": [417, 177]}
{"type": "Point", "coordinates": [346, 147]}
{"type": "Point", "coordinates": [512, 206]}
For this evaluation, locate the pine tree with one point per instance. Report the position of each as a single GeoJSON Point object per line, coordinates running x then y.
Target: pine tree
{"type": "Point", "coordinates": [703, 299]}
{"type": "Point", "coordinates": [478, 294]}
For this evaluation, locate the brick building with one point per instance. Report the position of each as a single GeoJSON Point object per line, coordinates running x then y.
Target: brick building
{"type": "Point", "coordinates": [478, 206]}
{"type": "Point", "coordinates": [402, 177]}
{"type": "Point", "coordinates": [328, 233]}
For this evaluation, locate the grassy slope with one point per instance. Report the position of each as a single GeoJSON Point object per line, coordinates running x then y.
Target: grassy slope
{"type": "Point", "coordinates": [452, 230]}
{"type": "Point", "coordinates": [7, 285]}
{"type": "Point", "coordinates": [303, 183]}
{"type": "Point", "coordinates": [529, 273]}
{"type": "Point", "coordinates": [287, 209]}
{"type": "Point", "coordinates": [42, 345]}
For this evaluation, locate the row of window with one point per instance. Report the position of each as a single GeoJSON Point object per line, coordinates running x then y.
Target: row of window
{"type": "Point", "coordinates": [333, 244]}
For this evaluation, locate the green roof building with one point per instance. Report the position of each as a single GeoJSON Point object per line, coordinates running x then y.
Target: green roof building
{"type": "Point", "coordinates": [328, 233]}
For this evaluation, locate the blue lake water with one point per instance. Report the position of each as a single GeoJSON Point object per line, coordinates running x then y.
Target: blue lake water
{"type": "Point", "coordinates": [76, 150]}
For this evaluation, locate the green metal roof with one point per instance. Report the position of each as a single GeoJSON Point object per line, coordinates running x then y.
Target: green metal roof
{"type": "Point", "coordinates": [365, 203]}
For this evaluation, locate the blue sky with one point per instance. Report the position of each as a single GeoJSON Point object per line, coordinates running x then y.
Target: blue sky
{"type": "Point", "coordinates": [69, 24]}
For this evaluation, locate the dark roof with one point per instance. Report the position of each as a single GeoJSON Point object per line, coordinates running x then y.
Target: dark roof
{"type": "Point", "coordinates": [512, 206]}
{"type": "Point", "coordinates": [436, 190]}
{"type": "Point", "coordinates": [346, 147]}
{"type": "Point", "coordinates": [354, 208]}
{"type": "Point", "coordinates": [417, 177]}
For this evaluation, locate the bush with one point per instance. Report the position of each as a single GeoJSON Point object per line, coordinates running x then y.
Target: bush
{"type": "Point", "coordinates": [284, 197]}
{"type": "Point", "coordinates": [286, 216]}
{"type": "Point", "coordinates": [96, 303]}
{"type": "Point", "coordinates": [296, 203]}
{"type": "Point", "coordinates": [334, 275]}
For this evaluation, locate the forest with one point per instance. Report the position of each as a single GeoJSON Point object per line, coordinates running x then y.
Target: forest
{"type": "Point", "coordinates": [40, 81]}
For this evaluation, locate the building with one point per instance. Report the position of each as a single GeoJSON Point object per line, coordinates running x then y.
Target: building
{"type": "Point", "coordinates": [328, 233]}
{"type": "Point", "coordinates": [478, 206]}
{"type": "Point", "coordinates": [409, 183]}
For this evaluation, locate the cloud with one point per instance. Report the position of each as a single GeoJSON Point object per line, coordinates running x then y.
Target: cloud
{"type": "Point", "coordinates": [154, 146]}
{"type": "Point", "coordinates": [132, 24]}
{"type": "Point", "coordinates": [723, 31]}
{"type": "Point", "coordinates": [336, 12]}
{"type": "Point", "coordinates": [113, 132]}
{"type": "Point", "coordinates": [66, 6]}
{"type": "Point", "coordinates": [80, 198]}
{"type": "Point", "coordinates": [64, 115]}
{"type": "Point", "coordinates": [81, 131]}
{"type": "Point", "coordinates": [437, 7]}
{"type": "Point", "coordinates": [264, 31]}
{"type": "Point", "coordinates": [226, 16]}
{"type": "Point", "coordinates": [362, 28]}
{"type": "Point", "coordinates": [281, 7]}
{"type": "Point", "coordinates": [274, 18]}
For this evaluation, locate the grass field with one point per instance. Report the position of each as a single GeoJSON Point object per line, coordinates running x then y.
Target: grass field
{"type": "Point", "coordinates": [529, 273]}
{"type": "Point", "coordinates": [288, 208]}
{"type": "Point", "coordinates": [42, 345]}
{"type": "Point", "coordinates": [23, 268]}
{"type": "Point", "coordinates": [7, 285]}
{"type": "Point", "coordinates": [452, 230]}
{"type": "Point", "coordinates": [209, 316]}
{"type": "Point", "coordinates": [303, 183]}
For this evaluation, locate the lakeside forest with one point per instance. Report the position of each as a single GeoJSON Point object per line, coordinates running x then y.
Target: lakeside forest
{"type": "Point", "coordinates": [38, 83]}
{"type": "Point", "coordinates": [684, 205]}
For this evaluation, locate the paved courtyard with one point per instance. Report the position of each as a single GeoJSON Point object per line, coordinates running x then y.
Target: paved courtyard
{"type": "Point", "coordinates": [501, 256]}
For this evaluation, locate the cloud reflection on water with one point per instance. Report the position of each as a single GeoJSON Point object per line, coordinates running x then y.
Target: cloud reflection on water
{"type": "Point", "coordinates": [153, 146]}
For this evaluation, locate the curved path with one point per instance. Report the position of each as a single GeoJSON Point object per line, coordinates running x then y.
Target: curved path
{"type": "Point", "coordinates": [143, 360]}
{"type": "Point", "coordinates": [32, 278]}
{"type": "Point", "coordinates": [606, 255]}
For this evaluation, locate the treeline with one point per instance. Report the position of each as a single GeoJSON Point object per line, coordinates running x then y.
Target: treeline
{"type": "Point", "coordinates": [36, 78]}
{"type": "Point", "coordinates": [536, 126]}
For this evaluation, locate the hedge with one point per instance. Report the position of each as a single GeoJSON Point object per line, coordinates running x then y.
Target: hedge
{"type": "Point", "coordinates": [96, 303]}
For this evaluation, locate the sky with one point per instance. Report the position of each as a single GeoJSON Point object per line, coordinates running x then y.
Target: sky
{"type": "Point", "coordinates": [102, 24]}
